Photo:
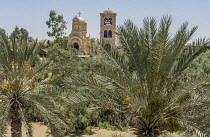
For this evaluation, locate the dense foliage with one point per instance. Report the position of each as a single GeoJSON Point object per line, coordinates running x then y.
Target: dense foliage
{"type": "Point", "coordinates": [22, 76]}
{"type": "Point", "coordinates": [153, 81]}
{"type": "Point", "coordinates": [145, 81]}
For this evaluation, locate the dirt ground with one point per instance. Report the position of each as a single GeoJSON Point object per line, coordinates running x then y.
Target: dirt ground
{"type": "Point", "coordinates": [38, 129]}
{"type": "Point", "coordinates": [41, 131]}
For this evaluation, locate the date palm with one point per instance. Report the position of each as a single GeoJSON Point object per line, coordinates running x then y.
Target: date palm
{"type": "Point", "coordinates": [145, 78]}
{"type": "Point", "coordinates": [21, 76]}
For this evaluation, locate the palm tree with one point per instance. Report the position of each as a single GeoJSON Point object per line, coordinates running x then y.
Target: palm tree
{"type": "Point", "coordinates": [22, 73]}
{"type": "Point", "coordinates": [146, 79]}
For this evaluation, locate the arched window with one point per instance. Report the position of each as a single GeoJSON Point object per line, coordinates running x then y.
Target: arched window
{"type": "Point", "coordinates": [76, 45]}
{"type": "Point", "coordinates": [105, 21]}
{"type": "Point", "coordinates": [110, 20]}
{"type": "Point", "coordinates": [105, 34]}
{"type": "Point", "coordinates": [110, 34]}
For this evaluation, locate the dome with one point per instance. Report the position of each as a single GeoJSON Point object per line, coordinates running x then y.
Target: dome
{"type": "Point", "coordinates": [81, 20]}
{"type": "Point", "coordinates": [108, 11]}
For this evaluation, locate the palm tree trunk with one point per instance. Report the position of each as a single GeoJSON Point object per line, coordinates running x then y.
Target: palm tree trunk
{"type": "Point", "coordinates": [16, 123]}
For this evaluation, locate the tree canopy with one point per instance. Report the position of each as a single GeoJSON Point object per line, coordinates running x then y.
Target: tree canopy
{"type": "Point", "coordinates": [57, 24]}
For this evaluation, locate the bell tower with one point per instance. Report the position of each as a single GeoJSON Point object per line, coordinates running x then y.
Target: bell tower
{"type": "Point", "coordinates": [108, 27]}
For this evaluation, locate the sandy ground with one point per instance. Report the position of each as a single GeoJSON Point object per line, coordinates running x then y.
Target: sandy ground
{"type": "Point", "coordinates": [38, 129]}
{"type": "Point", "coordinates": [107, 133]}
{"type": "Point", "coordinates": [41, 131]}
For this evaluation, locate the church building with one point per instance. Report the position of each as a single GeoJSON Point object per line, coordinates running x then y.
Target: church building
{"type": "Point", "coordinates": [80, 38]}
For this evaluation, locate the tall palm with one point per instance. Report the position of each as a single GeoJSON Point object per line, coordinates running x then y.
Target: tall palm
{"type": "Point", "coordinates": [145, 78]}
{"type": "Point", "coordinates": [21, 77]}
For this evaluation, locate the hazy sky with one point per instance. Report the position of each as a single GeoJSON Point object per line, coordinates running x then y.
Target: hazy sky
{"type": "Point", "coordinates": [32, 14]}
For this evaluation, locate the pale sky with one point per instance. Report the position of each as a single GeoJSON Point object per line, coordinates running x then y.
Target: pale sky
{"type": "Point", "coordinates": [32, 14]}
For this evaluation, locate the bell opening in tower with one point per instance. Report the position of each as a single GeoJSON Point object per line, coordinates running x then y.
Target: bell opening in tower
{"type": "Point", "coordinates": [76, 45]}
{"type": "Point", "coordinates": [108, 21]}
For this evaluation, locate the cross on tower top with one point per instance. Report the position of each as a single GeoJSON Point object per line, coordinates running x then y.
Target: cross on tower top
{"type": "Point", "coordinates": [79, 13]}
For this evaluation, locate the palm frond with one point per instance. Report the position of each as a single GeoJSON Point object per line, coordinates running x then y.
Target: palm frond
{"type": "Point", "coordinates": [45, 107]}
{"type": "Point", "coordinates": [188, 54]}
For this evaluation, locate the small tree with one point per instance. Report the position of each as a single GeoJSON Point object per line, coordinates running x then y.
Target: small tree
{"type": "Point", "coordinates": [21, 34]}
{"type": "Point", "coordinates": [57, 24]}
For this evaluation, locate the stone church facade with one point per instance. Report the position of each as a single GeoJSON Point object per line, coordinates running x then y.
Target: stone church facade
{"type": "Point", "coordinates": [80, 38]}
